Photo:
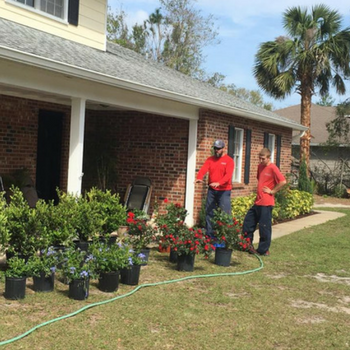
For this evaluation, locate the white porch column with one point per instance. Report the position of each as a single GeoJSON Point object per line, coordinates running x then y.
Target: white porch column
{"type": "Point", "coordinates": [76, 146]}
{"type": "Point", "coordinates": [191, 170]}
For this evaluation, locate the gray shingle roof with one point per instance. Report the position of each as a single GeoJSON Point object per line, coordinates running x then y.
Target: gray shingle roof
{"type": "Point", "coordinates": [320, 116]}
{"type": "Point", "coordinates": [122, 64]}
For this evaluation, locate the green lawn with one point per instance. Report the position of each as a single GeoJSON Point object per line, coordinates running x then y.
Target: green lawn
{"type": "Point", "coordinates": [299, 300]}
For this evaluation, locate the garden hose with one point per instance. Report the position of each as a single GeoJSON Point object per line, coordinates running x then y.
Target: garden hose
{"type": "Point", "coordinates": [128, 294]}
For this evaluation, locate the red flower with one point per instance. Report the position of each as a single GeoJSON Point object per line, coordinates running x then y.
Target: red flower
{"type": "Point", "coordinates": [131, 215]}
{"type": "Point", "coordinates": [166, 200]}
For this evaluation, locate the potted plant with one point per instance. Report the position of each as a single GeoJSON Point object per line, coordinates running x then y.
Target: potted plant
{"type": "Point", "coordinates": [140, 232]}
{"type": "Point", "coordinates": [85, 221]}
{"type": "Point", "coordinates": [42, 268]}
{"type": "Point", "coordinates": [187, 243]}
{"type": "Point", "coordinates": [228, 236]}
{"type": "Point", "coordinates": [131, 273]}
{"type": "Point", "coordinates": [109, 260]}
{"type": "Point", "coordinates": [15, 278]}
{"type": "Point", "coordinates": [111, 211]}
{"type": "Point", "coordinates": [54, 222]}
{"type": "Point", "coordinates": [22, 226]}
{"type": "Point", "coordinates": [166, 223]}
{"type": "Point", "coordinates": [77, 269]}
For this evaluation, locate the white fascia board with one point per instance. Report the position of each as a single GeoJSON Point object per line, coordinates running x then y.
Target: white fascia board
{"type": "Point", "coordinates": [63, 68]}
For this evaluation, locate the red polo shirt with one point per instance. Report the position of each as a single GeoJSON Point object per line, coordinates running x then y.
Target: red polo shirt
{"type": "Point", "coordinates": [268, 176]}
{"type": "Point", "coordinates": [220, 170]}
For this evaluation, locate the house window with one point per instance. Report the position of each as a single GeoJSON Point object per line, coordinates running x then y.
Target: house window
{"type": "Point", "coordinates": [53, 7]}
{"type": "Point", "coordinates": [57, 9]}
{"type": "Point", "coordinates": [237, 154]}
{"type": "Point", "coordinates": [271, 146]}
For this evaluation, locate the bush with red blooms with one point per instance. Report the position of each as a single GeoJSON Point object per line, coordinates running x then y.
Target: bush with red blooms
{"type": "Point", "coordinates": [184, 240]}
{"type": "Point", "coordinates": [169, 222]}
{"type": "Point", "coordinates": [140, 232]}
{"type": "Point", "coordinates": [228, 231]}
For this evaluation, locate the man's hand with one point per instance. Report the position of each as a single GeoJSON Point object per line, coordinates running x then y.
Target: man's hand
{"type": "Point", "coordinates": [198, 181]}
{"type": "Point", "coordinates": [214, 184]}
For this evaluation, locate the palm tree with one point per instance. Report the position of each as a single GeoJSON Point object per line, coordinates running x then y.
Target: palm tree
{"type": "Point", "coordinates": [314, 56]}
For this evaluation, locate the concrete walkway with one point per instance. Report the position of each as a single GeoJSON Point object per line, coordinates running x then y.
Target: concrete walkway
{"type": "Point", "coordinates": [320, 217]}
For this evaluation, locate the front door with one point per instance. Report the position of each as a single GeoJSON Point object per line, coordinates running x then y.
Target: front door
{"type": "Point", "coordinates": [48, 167]}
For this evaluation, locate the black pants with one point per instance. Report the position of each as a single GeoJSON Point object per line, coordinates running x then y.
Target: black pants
{"type": "Point", "coordinates": [261, 215]}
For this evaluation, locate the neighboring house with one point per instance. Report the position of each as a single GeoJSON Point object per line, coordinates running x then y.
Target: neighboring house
{"type": "Point", "coordinates": [321, 159]}
{"type": "Point", "coordinates": [73, 105]}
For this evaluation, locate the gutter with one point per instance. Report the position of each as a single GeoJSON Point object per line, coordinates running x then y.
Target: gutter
{"type": "Point", "coordinates": [83, 73]}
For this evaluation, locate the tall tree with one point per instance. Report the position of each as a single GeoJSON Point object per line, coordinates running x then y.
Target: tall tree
{"type": "Point", "coordinates": [315, 55]}
{"type": "Point", "coordinates": [174, 34]}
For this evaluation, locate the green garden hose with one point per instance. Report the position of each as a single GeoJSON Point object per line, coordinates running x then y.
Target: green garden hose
{"type": "Point", "coordinates": [128, 294]}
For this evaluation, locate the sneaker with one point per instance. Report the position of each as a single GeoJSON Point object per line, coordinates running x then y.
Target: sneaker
{"type": "Point", "coordinates": [252, 250]}
{"type": "Point", "coordinates": [267, 253]}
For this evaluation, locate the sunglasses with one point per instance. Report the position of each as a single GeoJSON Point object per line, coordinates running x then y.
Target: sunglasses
{"type": "Point", "coordinates": [217, 149]}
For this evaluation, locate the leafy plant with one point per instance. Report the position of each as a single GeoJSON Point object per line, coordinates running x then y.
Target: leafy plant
{"type": "Point", "coordinates": [168, 222]}
{"type": "Point", "coordinates": [16, 267]}
{"type": "Point", "coordinates": [140, 232]}
{"type": "Point", "coordinates": [304, 183]}
{"type": "Point", "coordinates": [228, 231]}
{"type": "Point", "coordinates": [22, 224]}
{"type": "Point", "coordinates": [109, 258]}
{"type": "Point", "coordinates": [44, 263]}
{"type": "Point", "coordinates": [108, 206]}
{"type": "Point", "coordinates": [184, 240]}
{"type": "Point", "coordinates": [76, 264]}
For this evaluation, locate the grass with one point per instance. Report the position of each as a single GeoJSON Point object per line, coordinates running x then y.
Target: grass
{"type": "Point", "coordinates": [299, 300]}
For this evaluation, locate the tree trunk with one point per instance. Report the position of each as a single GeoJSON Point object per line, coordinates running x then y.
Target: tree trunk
{"type": "Point", "coordinates": [305, 116]}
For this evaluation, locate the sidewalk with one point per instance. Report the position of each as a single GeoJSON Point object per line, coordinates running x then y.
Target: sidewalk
{"type": "Point", "coordinates": [320, 217]}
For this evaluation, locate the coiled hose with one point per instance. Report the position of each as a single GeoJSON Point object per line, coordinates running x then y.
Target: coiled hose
{"type": "Point", "coordinates": [128, 294]}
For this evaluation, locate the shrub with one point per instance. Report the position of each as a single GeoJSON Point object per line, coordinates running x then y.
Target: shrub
{"type": "Point", "coordinates": [304, 183]}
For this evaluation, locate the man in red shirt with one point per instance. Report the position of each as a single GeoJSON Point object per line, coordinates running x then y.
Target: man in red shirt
{"type": "Point", "coordinates": [220, 168]}
{"type": "Point", "coordinates": [270, 181]}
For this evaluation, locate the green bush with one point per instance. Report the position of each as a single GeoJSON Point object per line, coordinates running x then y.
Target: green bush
{"type": "Point", "coordinates": [304, 183]}
{"type": "Point", "coordinates": [288, 205]}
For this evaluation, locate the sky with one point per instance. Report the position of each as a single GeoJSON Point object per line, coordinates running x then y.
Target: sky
{"type": "Point", "coordinates": [242, 27]}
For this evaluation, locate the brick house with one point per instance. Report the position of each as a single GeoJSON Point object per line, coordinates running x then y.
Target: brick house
{"type": "Point", "coordinates": [68, 99]}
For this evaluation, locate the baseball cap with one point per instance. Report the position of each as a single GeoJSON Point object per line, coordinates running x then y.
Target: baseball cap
{"type": "Point", "coordinates": [219, 144]}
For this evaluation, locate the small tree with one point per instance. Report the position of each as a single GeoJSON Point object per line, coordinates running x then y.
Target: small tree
{"type": "Point", "coordinates": [304, 183]}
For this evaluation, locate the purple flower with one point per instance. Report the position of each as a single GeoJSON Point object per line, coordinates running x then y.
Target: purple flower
{"type": "Point", "coordinates": [53, 269]}
{"type": "Point", "coordinates": [84, 274]}
{"type": "Point", "coordinates": [130, 261]}
{"type": "Point", "coordinates": [72, 269]}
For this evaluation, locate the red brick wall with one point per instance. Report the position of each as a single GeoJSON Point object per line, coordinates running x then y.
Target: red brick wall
{"type": "Point", "coordinates": [214, 125]}
{"type": "Point", "coordinates": [142, 144]}
{"type": "Point", "coordinates": [19, 133]}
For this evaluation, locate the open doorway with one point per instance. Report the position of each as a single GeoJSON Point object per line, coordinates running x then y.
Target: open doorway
{"type": "Point", "coordinates": [48, 167]}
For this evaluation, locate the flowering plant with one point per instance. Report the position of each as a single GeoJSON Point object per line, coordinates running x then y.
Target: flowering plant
{"type": "Point", "coordinates": [169, 222]}
{"type": "Point", "coordinates": [109, 258]}
{"type": "Point", "coordinates": [134, 257]}
{"type": "Point", "coordinates": [140, 233]}
{"type": "Point", "coordinates": [44, 263]}
{"type": "Point", "coordinates": [228, 231]}
{"type": "Point", "coordinates": [188, 241]}
{"type": "Point", "coordinates": [76, 264]}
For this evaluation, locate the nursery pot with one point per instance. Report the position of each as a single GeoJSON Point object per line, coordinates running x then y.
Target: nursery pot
{"type": "Point", "coordinates": [79, 289]}
{"type": "Point", "coordinates": [43, 283]}
{"type": "Point", "coordinates": [173, 256]}
{"type": "Point", "coordinates": [146, 252]}
{"type": "Point", "coordinates": [223, 256]}
{"type": "Point", "coordinates": [185, 262]}
{"type": "Point", "coordinates": [15, 288]}
{"type": "Point", "coordinates": [130, 275]}
{"type": "Point", "coordinates": [108, 281]}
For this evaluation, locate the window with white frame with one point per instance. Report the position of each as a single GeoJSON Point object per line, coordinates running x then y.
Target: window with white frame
{"type": "Point", "coordinates": [55, 8]}
{"type": "Point", "coordinates": [271, 146]}
{"type": "Point", "coordinates": [237, 154]}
